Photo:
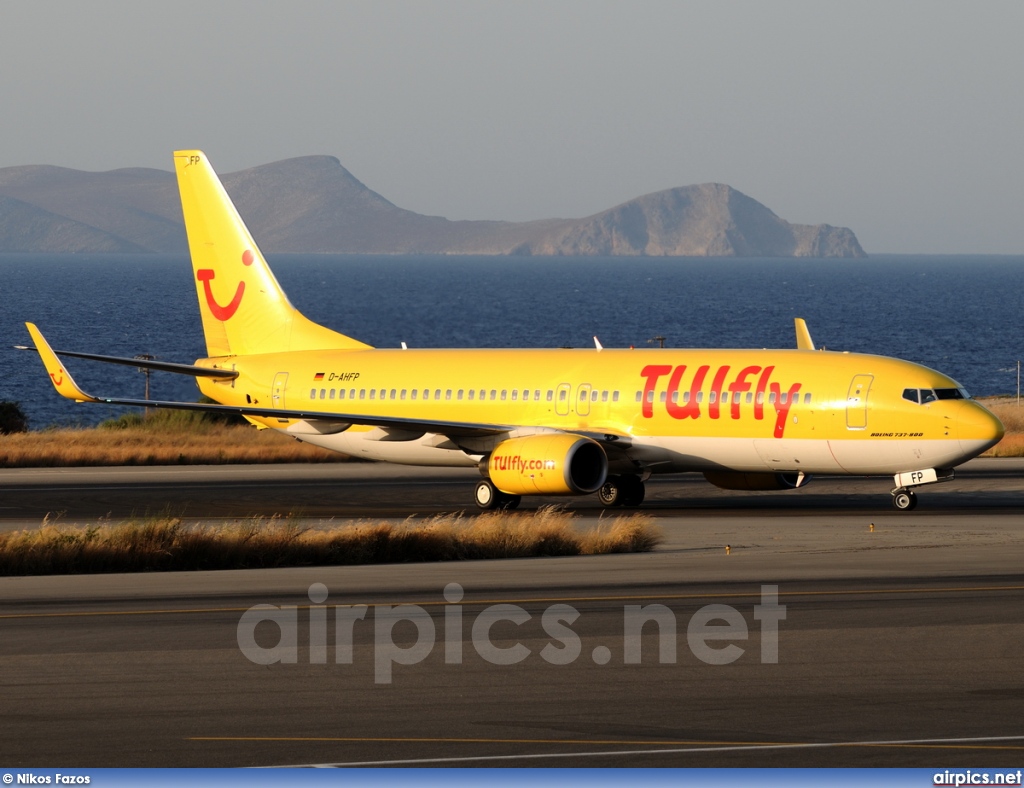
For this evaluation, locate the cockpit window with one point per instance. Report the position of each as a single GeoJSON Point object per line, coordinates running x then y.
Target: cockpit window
{"type": "Point", "coordinates": [924, 396]}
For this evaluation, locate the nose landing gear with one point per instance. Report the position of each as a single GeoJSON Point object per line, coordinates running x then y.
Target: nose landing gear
{"type": "Point", "coordinates": [903, 497]}
{"type": "Point", "coordinates": [904, 500]}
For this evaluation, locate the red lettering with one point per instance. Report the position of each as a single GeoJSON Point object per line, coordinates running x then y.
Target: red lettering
{"type": "Point", "coordinates": [652, 372]}
{"type": "Point", "coordinates": [782, 407]}
{"type": "Point", "coordinates": [762, 384]}
{"type": "Point", "coordinates": [716, 392]}
{"type": "Point", "coordinates": [739, 386]}
{"type": "Point", "coordinates": [674, 409]}
{"type": "Point", "coordinates": [691, 408]}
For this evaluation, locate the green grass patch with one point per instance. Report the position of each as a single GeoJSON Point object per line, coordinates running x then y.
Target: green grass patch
{"type": "Point", "coordinates": [167, 544]}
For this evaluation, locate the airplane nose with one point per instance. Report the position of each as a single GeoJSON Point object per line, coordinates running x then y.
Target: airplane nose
{"type": "Point", "coordinates": [978, 429]}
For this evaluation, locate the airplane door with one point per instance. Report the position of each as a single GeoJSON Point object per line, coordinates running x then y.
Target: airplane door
{"type": "Point", "coordinates": [857, 402]}
{"type": "Point", "coordinates": [562, 396]}
{"type": "Point", "coordinates": [277, 392]}
{"type": "Point", "coordinates": [583, 399]}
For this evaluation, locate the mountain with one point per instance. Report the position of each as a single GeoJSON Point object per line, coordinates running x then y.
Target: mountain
{"type": "Point", "coordinates": [313, 204]}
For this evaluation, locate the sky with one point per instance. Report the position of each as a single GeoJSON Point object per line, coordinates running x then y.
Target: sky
{"type": "Point", "coordinates": [901, 120]}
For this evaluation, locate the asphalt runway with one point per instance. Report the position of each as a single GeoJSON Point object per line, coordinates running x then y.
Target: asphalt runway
{"type": "Point", "coordinates": [346, 490]}
{"type": "Point", "coordinates": [900, 645]}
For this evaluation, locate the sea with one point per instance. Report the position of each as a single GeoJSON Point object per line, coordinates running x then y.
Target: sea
{"type": "Point", "coordinates": [959, 314]}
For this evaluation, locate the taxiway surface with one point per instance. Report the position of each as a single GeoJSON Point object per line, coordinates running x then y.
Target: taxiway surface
{"type": "Point", "coordinates": [900, 645]}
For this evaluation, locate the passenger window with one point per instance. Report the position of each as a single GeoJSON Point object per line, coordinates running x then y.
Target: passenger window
{"type": "Point", "coordinates": [414, 393]}
{"type": "Point", "coordinates": [650, 396]}
{"type": "Point", "coordinates": [403, 393]}
{"type": "Point", "coordinates": [362, 393]}
{"type": "Point", "coordinates": [341, 393]}
{"type": "Point", "coordinates": [593, 396]}
{"type": "Point", "coordinates": [615, 396]}
{"type": "Point", "coordinates": [459, 395]}
{"type": "Point", "coordinates": [771, 398]}
{"type": "Point", "coordinates": [471, 393]}
{"type": "Point", "coordinates": [426, 393]}
{"type": "Point", "coordinates": [750, 397]}
{"type": "Point", "coordinates": [536, 395]}
{"type": "Point", "coordinates": [483, 394]}
{"type": "Point", "coordinates": [561, 395]}
{"type": "Point", "coordinates": [712, 395]}
{"type": "Point", "coordinates": [760, 398]}
{"type": "Point", "coordinates": [393, 394]}
{"type": "Point", "coordinates": [604, 396]}
{"type": "Point", "coordinates": [331, 395]}
{"type": "Point", "coordinates": [551, 395]}
{"type": "Point", "coordinates": [494, 394]}
{"type": "Point", "coordinates": [686, 396]}
{"type": "Point", "coordinates": [437, 393]}
{"type": "Point", "coordinates": [351, 393]}
{"type": "Point", "coordinates": [807, 399]}
{"type": "Point", "coordinates": [700, 396]}
{"type": "Point", "coordinates": [503, 393]}
{"type": "Point", "coordinates": [323, 394]}
{"type": "Point", "coordinates": [373, 393]}
{"type": "Point", "coordinates": [783, 397]}
{"type": "Point", "coordinates": [312, 393]}
{"type": "Point", "coordinates": [515, 395]}
{"type": "Point", "coordinates": [639, 394]}
{"type": "Point", "coordinates": [664, 394]}
{"type": "Point", "coordinates": [448, 394]}
{"type": "Point", "coordinates": [725, 396]}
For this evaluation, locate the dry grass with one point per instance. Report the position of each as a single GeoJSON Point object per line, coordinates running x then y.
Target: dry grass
{"type": "Point", "coordinates": [1012, 416]}
{"type": "Point", "coordinates": [198, 443]}
{"type": "Point", "coordinates": [166, 544]}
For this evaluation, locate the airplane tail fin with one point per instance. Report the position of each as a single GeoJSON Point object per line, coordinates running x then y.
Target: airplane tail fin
{"type": "Point", "coordinates": [243, 308]}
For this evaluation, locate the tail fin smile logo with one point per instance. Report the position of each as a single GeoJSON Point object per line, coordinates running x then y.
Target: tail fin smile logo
{"type": "Point", "coordinates": [206, 275]}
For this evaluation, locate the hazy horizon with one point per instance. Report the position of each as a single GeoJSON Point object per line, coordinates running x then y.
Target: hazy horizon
{"type": "Point", "coordinates": [896, 120]}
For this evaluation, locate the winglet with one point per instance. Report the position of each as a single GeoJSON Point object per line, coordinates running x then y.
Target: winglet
{"type": "Point", "coordinates": [803, 336]}
{"type": "Point", "coordinates": [62, 380]}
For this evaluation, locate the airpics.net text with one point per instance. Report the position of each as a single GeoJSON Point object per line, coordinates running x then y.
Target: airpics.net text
{"type": "Point", "coordinates": [712, 632]}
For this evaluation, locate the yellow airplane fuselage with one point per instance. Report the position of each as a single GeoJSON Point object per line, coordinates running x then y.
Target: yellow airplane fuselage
{"type": "Point", "coordinates": [671, 410]}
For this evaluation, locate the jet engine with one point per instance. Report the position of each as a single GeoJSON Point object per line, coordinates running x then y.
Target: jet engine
{"type": "Point", "coordinates": [734, 480]}
{"type": "Point", "coordinates": [548, 464]}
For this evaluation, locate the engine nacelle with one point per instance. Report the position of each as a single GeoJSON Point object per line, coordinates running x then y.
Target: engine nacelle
{"type": "Point", "coordinates": [735, 480]}
{"type": "Point", "coordinates": [549, 464]}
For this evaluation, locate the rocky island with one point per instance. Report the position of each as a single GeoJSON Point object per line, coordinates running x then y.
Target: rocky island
{"type": "Point", "coordinates": [313, 205]}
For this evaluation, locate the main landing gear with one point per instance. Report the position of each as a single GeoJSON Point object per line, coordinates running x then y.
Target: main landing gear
{"type": "Point", "coordinates": [627, 490]}
{"type": "Point", "coordinates": [490, 497]}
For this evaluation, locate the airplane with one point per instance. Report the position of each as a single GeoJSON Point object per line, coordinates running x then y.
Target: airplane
{"type": "Point", "coordinates": [550, 421]}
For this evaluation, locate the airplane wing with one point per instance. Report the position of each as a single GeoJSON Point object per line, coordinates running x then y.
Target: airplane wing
{"type": "Point", "coordinates": [67, 387]}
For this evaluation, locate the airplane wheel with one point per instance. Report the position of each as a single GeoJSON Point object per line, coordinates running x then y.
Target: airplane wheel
{"type": "Point", "coordinates": [507, 502]}
{"type": "Point", "coordinates": [904, 500]}
{"type": "Point", "coordinates": [486, 495]}
{"type": "Point", "coordinates": [632, 488]}
{"type": "Point", "coordinates": [610, 493]}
